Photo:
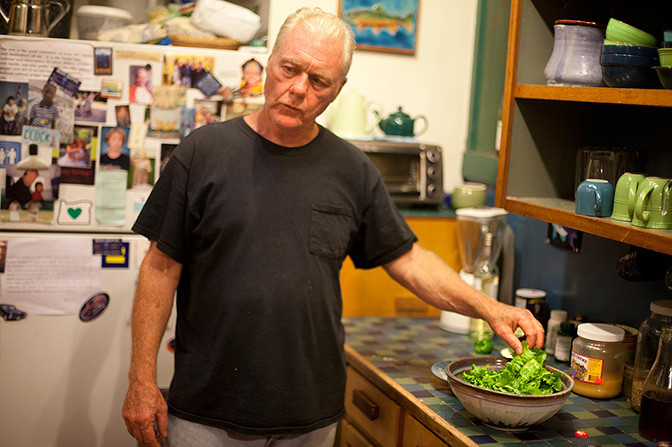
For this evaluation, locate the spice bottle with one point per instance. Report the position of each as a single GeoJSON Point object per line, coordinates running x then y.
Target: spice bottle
{"type": "Point", "coordinates": [598, 360]}
{"type": "Point", "coordinates": [655, 418]}
{"type": "Point", "coordinates": [563, 342]}
{"type": "Point", "coordinates": [647, 346]}
{"type": "Point", "coordinates": [557, 316]}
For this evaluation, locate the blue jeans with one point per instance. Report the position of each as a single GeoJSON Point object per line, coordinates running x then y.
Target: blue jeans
{"type": "Point", "coordinates": [183, 433]}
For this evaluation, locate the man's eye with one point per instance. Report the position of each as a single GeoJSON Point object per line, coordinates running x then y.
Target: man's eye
{"type": "Point", "coordinates": [289, 69]}
{"type": "Point", "coordinates": [319, 82]}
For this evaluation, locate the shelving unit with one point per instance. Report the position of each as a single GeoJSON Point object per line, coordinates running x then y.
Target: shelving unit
{"type": "Point", "coordinates": [544, 126]}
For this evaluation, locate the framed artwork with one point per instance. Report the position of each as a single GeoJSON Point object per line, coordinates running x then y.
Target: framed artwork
{"type": "Point", "coordinates": [382, 25]}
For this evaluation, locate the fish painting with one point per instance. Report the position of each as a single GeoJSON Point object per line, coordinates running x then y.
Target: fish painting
{"type": "Point", "coordinates": [382, 25]}
{"type": "Point", "coordinates": [378, 19]}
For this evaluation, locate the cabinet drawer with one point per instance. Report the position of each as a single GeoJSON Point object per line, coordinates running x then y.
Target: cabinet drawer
{"type": "Point", "coordinates": [351, 437]}
{"type": "Point", "coordinates": [371, 410]}
{"type": "Point", "coordinates": [417, 435]}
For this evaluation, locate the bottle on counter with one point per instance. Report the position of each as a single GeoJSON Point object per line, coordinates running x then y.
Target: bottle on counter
{"type": "Point", "coordinates": [647, 347]}
{"type": "Point", "coordinates": [557, 316]}
{"type": "Point", "coordinates": [598, 360]}
{"type": "Point", "coordinates": [563, 342]}
{"type": "Point", "coordinates": [534, 300]}
{"type": "Point", "coordinates": [486, 280]}
{"type": "Point", "coordinates": [655, 417]}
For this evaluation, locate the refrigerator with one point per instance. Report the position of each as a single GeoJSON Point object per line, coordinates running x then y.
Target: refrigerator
{"type": "Point", "coordinates": [69, 265]}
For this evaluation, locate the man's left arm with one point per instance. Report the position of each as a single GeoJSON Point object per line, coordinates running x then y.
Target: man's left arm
{"type": "Point", "coordinates": [432, 280]}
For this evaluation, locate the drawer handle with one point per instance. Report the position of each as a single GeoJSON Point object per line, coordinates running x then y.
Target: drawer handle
{"type": "Point", "coordinates": [366, 405]}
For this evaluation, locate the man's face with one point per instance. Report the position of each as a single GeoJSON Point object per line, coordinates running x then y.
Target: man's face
{"type": "Point", "coordinates": [303, 78]}
{"type": "Point", "coordinates": [29, 177]}
{"type": "Point", "coordinates": [141, 78]}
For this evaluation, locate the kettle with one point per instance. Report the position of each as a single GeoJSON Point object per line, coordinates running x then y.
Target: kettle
{"type": "Point", "coordinates": [401, 124]}
{"type": "Point", "coordinates": [350, 116]}
{"type": "Point", "coordinates": [31, 17]}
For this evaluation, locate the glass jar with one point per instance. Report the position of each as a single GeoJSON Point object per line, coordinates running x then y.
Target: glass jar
{"type": "Point", "coordinates": [647, 347]}
{"type": "Point", "coordinates": [655, 419]}
{"type": "Point", "coordinates": [598, 360]}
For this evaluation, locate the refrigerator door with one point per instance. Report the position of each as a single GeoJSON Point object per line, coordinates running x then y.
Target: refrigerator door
{"type": "Point", "coordinates": [63, 379]}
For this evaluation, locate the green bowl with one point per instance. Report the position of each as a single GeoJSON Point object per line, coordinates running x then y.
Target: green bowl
{"type": "Point", "coordinates": [665, 56]}
{"type": "Point", "coordinates": [665, 76]}
{"type": "Point", "coordinates": [622, 32]}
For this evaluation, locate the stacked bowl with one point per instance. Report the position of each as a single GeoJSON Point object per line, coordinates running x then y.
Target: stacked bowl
{"type": "Point", "coordinates": [628, 57]}
{"type": "Point", "coordinates": [665, 69]}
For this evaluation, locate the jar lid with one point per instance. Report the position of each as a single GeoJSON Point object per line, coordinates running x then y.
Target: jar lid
{"type": "Point", "coordinates": [530, 294]}
{"type": "Point", "coordinates": [601, 332]}
{"type": "Point", "coordinates": [105, 11]}
{"type": "Point", "coordinates": [663, 307]}
{"type": "Point", "coordinates": [579, 22]}
{"type": "Point", "coordinates": [558, 314]}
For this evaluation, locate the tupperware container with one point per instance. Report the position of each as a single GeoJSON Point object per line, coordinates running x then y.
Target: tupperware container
{"type": "Point", "coordinates": [94, 20]}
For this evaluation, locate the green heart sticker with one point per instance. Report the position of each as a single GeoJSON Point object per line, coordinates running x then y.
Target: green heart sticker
{"type": "Point", "coordinates": [74, 212]}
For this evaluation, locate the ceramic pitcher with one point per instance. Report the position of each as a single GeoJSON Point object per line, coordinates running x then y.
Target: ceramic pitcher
{"type": "Point", "coordinates": [575, 60]}
{"type": "Point", "coordinates": [353, 115]}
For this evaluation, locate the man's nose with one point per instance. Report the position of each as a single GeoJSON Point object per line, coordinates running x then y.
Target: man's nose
{"type": "Point", "coordinates": [300, 84]}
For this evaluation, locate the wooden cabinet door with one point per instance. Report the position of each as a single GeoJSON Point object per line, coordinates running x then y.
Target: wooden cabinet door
{"type": "Point", "coordinates": [417, 435]}
{"type": "Point", "coordinates": [351, 437]}
{"type": "Point", "coordinates": [378, 416]}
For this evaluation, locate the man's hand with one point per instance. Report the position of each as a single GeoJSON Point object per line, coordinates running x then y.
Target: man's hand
{"type": "Point", "coordinates": [504, 320]}
{"type": "Point", "coordinates": [145, 404]}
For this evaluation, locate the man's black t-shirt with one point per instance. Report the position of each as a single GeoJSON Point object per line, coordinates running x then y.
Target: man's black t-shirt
{"type": "Point", "coordinates": [262, 231]}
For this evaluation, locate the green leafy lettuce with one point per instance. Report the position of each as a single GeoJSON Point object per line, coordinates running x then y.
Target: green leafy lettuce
{"type": "Point", "coordinates": [525, 374]}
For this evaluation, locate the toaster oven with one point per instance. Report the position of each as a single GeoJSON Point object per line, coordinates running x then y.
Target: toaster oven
{"type": "Point", "coordinates": [412, 172]}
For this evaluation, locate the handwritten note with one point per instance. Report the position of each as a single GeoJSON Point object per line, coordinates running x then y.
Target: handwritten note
{"type": "Point", "coordinates": [50, 276]}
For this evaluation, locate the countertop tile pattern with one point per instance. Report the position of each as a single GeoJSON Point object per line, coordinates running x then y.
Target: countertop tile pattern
{"type": "Point", "coordinates": [406, 348]}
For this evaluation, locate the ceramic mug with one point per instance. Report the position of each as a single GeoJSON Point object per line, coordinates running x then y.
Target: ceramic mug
{"type": "Point", "coordinates": [625, 195]}
{"type": "Point", "coordinates": [652, 206]}
{"type": "Point", "coordinates": [469, 195]}
{"type": "Point", "coordinates": [595, 197]}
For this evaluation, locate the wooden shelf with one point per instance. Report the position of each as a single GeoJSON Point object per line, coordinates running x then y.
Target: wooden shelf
{"type": "Point", "coordinates": [643, 97]}
{"type": "Point", "coordinates": [561, 212]}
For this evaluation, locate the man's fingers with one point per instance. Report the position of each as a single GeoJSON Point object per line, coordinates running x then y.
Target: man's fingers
{"type": "Point", "coordinates": [162, 422]}
{"type": "Point", "coordinates": [149, 436]}
{"type": "Point", "coordinates": [512, 341]}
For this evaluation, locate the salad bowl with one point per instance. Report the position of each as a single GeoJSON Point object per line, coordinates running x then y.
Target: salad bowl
{"type": "Point", "coordinates": [500, 410]}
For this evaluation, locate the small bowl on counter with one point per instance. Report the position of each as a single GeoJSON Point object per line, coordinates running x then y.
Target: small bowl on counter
{"type": "Point", "coordinates": [504, 411]}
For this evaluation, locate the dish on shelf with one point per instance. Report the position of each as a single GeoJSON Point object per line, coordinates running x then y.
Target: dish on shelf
{"type": "Point", "coordinates": [665, 76]}
{"type": "Point", "coordinates": [635, 50]}
{"type": "Point", "coordinates": [622, 75]}
{"type": "Point", "coordinates": [622, 32]}
{"type": "Point", "coordinates": [503, 411]}
{"type": "Point", "coordinates": [665, 56]}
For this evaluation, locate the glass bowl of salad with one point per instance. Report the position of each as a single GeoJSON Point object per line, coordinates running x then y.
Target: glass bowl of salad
{"type": "Point", "coordinates": [510, 395]}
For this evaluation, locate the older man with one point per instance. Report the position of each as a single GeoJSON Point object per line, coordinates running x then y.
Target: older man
{"type": "Point", "coordinates": [250, 223]}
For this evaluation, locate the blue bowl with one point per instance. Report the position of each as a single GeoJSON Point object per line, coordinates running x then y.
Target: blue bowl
{"type": "Point", "coordinates": [633, 50]}
{"type": "Point", "coordinates": [628, 76]}
{"type": "Point", "coordinates": [628, 59]}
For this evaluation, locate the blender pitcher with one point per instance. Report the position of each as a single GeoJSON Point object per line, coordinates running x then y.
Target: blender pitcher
{"type": "Point", "coordinates": [472, 226]}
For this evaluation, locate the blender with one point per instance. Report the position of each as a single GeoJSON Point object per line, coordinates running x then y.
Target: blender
{"type": "Point", "coordinates": [473, 224]}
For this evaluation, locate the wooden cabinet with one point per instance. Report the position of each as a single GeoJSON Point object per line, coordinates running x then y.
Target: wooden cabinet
{"type": "Point", "coordinates": [374, 293]}
{"type": "Point", "coordinates": [417, 435]}
{"type": "Point", "coordinates": [544, 126]}
{"type": "Point", "coordinates": [368, 408]}
{"type": "Point", "coordinates": [351, 437]}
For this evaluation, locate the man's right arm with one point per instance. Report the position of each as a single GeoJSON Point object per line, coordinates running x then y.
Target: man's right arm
{"type": "Point", "coordinates": [144, 404]}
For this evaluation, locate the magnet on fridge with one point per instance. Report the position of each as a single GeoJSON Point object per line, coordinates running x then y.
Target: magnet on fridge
{"type": "Point", "coordinates": [94, 306]}
{"type": "Point", "coordinates": [117, 261]}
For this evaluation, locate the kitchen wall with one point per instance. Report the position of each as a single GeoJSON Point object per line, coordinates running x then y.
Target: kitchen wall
{"type": "Point", "coordinates": [585, 283]}
{"type": "Point", "coordinates": [435, 82]}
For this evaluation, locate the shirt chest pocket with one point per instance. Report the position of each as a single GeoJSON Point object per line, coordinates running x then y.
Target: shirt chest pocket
{"type": "Point", "coordinates": [330, 230]}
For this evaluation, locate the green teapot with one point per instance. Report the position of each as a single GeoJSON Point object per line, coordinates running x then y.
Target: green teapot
{"type": "Point", "coordinates": [401, 124]}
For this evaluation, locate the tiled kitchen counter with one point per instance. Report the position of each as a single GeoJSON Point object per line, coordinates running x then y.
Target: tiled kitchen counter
{"type": "Point", "coordinates": [396, 354]}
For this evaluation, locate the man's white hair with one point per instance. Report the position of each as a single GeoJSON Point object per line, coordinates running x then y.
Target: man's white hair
{"type": "Point", "coordinates": [326, 24]}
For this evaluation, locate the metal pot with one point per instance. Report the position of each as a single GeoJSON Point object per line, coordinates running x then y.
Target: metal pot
{"type": "Point", "coordinates": [31, 17]}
